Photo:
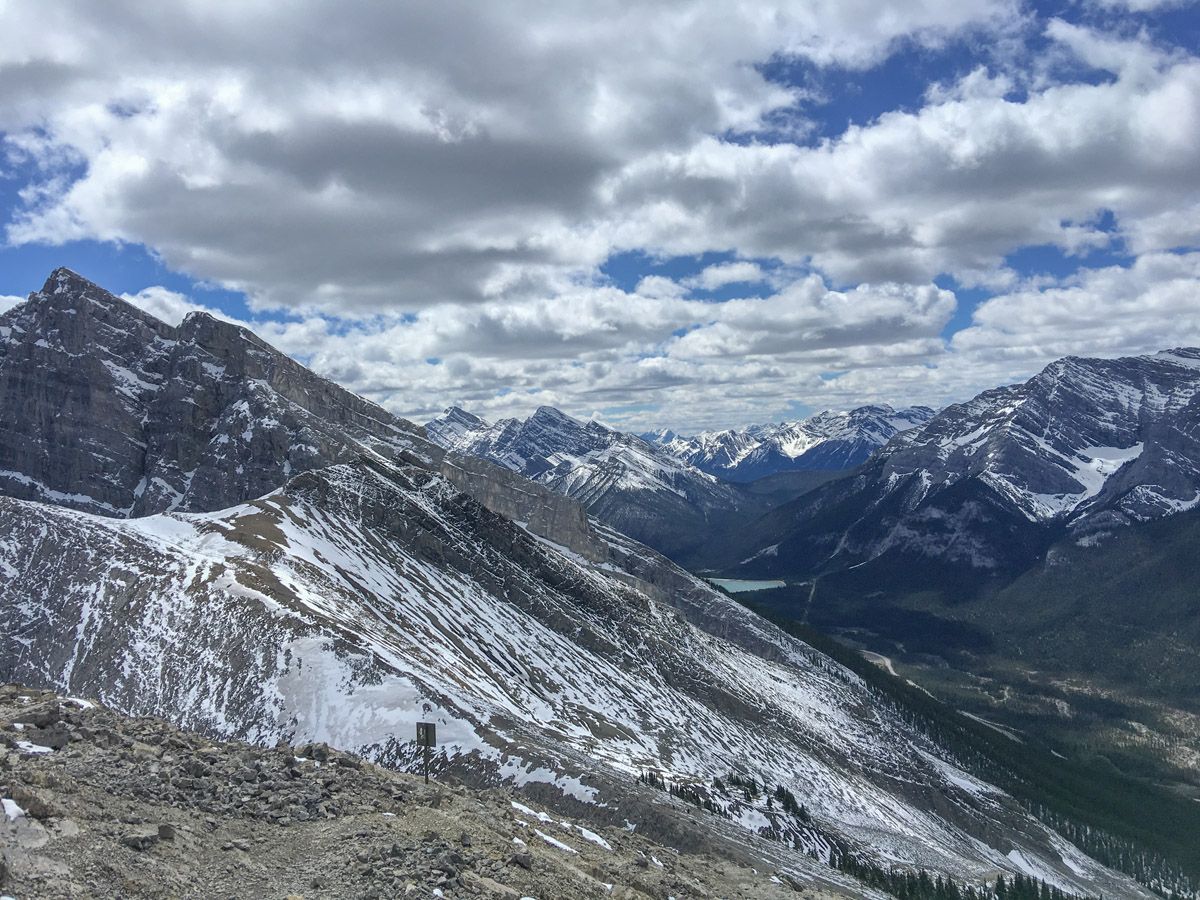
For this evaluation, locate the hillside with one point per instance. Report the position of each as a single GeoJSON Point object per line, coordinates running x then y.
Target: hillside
{"type": "Point", "coordinates": [138, 807]}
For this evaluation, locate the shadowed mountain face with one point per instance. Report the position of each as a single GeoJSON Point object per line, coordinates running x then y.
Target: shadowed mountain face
{"type": "Point", "coordinates": [109, 410]}
{"type": "Point", "coordinates": [207, 532]}
{"type": "Point", "coordinates": [828, 441]}
{"type": "Point", "coordinates": [1037, 535]}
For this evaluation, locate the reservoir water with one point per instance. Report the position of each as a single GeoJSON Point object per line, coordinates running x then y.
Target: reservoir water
{"type": "Point", "coordinates": [738, 586]}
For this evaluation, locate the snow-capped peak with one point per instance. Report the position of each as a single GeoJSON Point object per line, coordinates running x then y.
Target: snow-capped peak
{"type": "Point", "coordinates": [826, 440]}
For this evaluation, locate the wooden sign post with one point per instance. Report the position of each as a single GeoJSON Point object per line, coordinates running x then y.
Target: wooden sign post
{"type": "Point", "coordinates": [426, 738]}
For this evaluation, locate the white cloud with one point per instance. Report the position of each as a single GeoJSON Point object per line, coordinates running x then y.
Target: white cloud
{"type": "Point", "coordinates": [1111, 311]}
{"type": "Point", "coordinates": [951, 188]}
{"type": "Point", "coordinates": [408, 156]}
{"type": "Point", "coordinates": [740, 272]}
{"type": "Point", "coordinates": [659, 287]}
{"type": "Point", "coordinates": [598, 347]}
{"type": "Point", "coordinates": [448, 178]}
{"type": "Point", "coordinates": [7, 302]}
{"type": "Point", "coordinates": [171, 306]}
{"type": "Point", "coordinates": [1137, 5]}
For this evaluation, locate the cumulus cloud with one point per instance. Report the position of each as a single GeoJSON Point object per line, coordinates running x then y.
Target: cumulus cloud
{"type": "Point", "coordinates": [1137, 5]}
{"type": "Point", "coordinates": [7, 302]}
{"type": "Point", "coordinates": [951, 188]}
{"type": "Point", "coordinates": [171, 306]}
{"type": "Point", "coordinates": [402, 155]}
{"type": "Point", "coordinates": [741, 272]}
{"type": "Point", "coordinates": [446, 181]}
{"type": "Point", "coordinates": [1110, 311]}
{"type": "Point", "coordinates": [600, 346]}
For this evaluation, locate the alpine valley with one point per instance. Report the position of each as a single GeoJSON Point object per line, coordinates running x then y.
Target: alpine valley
{"type": "Point", "coordinates": [195, 527]}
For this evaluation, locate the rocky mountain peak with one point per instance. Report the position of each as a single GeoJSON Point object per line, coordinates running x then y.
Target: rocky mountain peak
{"type": "Point", "coordinates": [73, 313]}
{"type": "Point", "coordinates": [69, 282]}
{"type": "Point", "coordinates": [115, 412]}
{"type": "Point", "coordinates": [552, 414]}
{"type": "Point", "coordinates": [1082, 447]}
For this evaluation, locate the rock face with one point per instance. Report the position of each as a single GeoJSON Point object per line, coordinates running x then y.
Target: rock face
{"type": "Point", "coordinates": [363, 591]}
{"type": "Point", "coordinates": [622, 480]}
{"type": "Point", "coordinates": [1085, 445]}
{"type": "Point", "coordinates": [542, 511]}
{"type": "Point", "coordinates": [826, 441]}
{"type": "Point", "coordinates": [108, 410]}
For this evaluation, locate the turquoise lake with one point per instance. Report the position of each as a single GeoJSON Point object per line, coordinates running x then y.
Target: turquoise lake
{"type": "Point", "coordinates": [738, 586]}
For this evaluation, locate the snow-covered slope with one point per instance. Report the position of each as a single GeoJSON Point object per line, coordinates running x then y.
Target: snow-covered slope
{"type": "Point", "coordinates": [323, 612]}
{"type": "Point", "coordinates": [623, 480]}
{"type": "Point", "coordinates": [1085, 445]}
{"type": "Point", "coordinates": [827, 440]}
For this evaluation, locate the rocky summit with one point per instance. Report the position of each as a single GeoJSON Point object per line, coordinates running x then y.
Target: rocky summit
{"type": "Point", "coordinates": [1085, 446]}
{"type": "Point", "coordinates": [111, 411]}
{"type": "Point", "coordinates": [99, 805]}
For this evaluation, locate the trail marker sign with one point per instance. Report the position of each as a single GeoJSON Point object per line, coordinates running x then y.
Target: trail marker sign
{"type": "Point", "coordinates": [426, 738]}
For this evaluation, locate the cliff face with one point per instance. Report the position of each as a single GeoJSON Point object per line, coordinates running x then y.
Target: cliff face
{"type": "Point", "coordinates": [111, 411]}
{"type": "Point", "coordinates": [542, 511]}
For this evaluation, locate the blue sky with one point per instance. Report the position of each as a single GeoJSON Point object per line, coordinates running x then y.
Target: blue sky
{"type": "Point", "coordinates": [657, 217]}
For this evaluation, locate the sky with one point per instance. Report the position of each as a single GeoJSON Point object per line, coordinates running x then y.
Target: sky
{"type": "Point", "coordinates": [679, 214]}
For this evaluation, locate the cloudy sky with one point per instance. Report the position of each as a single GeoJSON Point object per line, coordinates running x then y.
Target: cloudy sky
{"type": "Point", "coordinates": [684, 214]}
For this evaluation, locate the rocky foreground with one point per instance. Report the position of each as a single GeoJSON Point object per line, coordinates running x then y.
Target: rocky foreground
{"type": "Point", "coordinates": [99, 805]}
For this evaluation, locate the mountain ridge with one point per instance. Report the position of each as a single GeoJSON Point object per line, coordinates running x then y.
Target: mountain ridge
{"type": "Point", "coordinates": [622, 480]}
{"type": "Point", "coordinates": [829, 440]}
{"type": "Point", "coordinates": [1085, 445]}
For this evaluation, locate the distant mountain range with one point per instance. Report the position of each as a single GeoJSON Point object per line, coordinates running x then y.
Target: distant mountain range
{"type": "Point", "coordinates": [830, 441]}
{"type": "Point", "coordinates": [675, 494]}
{"type": "Point", "coordinates": [635, 486]}
{"type": "Point", "coordinates": [1085, 446]}
{"type": "Point", "coordinates": [195, 527]}
{"type": "Point", "coordinates": [1048, 525]}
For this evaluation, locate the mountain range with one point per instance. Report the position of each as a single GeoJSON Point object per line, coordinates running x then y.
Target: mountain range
{"type": "Point", "coordinates": [675, 494]}
{"type": "Point", "coordinates": [626, 482]}
{"type": "Point", "coordinates": [827, 441]}
{"type": "Point", "coordinates": [1032, 550]}
{"type": "Point", "coordinates": [195, 527]}
{"type": "Point", "coordinates": [1085, 446]}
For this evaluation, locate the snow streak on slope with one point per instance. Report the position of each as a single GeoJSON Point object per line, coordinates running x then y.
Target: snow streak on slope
{"type": "Point", "coordinates": [1053, 445]}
